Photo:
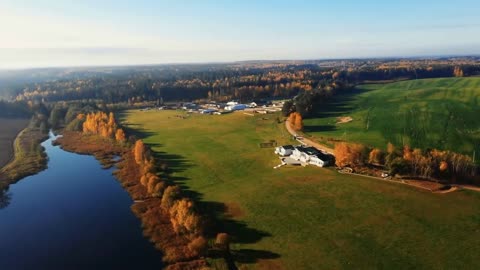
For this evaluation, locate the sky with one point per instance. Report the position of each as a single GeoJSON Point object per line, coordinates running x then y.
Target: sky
{"type": "Point", "coordinates": [50, 33]}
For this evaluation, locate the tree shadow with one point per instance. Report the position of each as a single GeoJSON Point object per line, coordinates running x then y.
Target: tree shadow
{"type": "Point", "coordinates": [217, 218]}
{"type": "Point", "coordinates": [340, 104]}
{"type": "Point", "coordinates": [322, 128]}
{"type": "Point", "coordinates": [252, 255]}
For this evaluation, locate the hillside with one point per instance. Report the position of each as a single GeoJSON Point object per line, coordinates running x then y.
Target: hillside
{"type": "Point", "coordinates": [438, 113]}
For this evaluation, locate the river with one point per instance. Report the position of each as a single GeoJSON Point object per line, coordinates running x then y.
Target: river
{"type": "Point", "coordinates": [74, 215]}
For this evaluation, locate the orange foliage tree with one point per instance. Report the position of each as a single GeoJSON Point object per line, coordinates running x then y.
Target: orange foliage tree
{"type": "Point", "coordinates": [120, 135]}
{"type": "Point", "coordinates": [349, 154]}
{"type": "Point", "coordinates": [183, 217]}
{"type": "Point", "coordinates": [296, 121]}
{"type": "Point", "coordinates": [139, 151]}
{"type": "Point", "coordinates": [457, 72]}
{"type": "Point", "coordinates": [375, 156]}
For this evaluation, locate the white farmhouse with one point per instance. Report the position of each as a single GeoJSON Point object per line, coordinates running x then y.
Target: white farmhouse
{"type": "Point", "coordinates": [285, 150]}
{"type": "Point", "coordinates": [310, 155]}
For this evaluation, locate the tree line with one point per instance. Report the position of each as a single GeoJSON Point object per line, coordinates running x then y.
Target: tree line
{"type": "Point", "coordinates": [102, 124]}
{"type": "Point", "coordinates": [183, 214]}
{"type": "Point", "coordinates": [405, 161]}
{"type": "Point", "coordinates": [244, 82]}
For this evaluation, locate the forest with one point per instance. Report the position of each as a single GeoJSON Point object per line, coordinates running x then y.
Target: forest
{"type": "Point", "coordinates": [243, 81]}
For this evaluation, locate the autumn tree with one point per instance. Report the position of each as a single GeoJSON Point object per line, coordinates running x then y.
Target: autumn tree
{"type": "Point", "coordinates": [349, 154]}
{"type": "Point", "coordinates": [170, 194]}
{"type": "Point", "coordinates": [342, 153]}
{"type": "Point", "coordinates": [296, 121]}
{"type": "Point", "coordinates": [375, 156]}
{"type": "Point", "coordinates": [392, 154]}
{"type": "Point", "coordinates": [100, 124]}
{"type": "Point", "coordinates": [139, 151]}
{"type": "Point", "coordinates": [457, 72]}
{"type": "Point", "coordinates": [298, 124]}
{"type": "Point", "coordinates": [184, 218]}
{"type": "Point", "coordinates": [120, 135]}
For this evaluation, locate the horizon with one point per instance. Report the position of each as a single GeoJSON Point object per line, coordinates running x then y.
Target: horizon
{"type": "Point", "coordinates": [55, 34]}
{"type": "Point", "coordinates": [412, 57]}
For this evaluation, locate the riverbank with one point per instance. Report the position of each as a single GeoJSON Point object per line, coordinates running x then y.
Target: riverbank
{"type": "Point", "coordinates": [156, 221]}
{"type": "Point", "coordinates": [9, 130]}
{"type": "Point", "coordinates": [29, 157]}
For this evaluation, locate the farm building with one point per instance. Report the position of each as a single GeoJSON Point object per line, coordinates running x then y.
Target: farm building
{"type": "Point", "coordinates": [208, 111]}
{"type": "Point", "coordinates": [312, 156]}
{"type": "Point", "coordinates": [285, 150]}
{"type": "Point", "coordinates": [237, 107]}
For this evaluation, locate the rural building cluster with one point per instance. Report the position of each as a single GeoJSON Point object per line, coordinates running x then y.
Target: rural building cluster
{"type": "Point", "coordinates": [303, 155]}
{"type": "Point", "coordinates": [261, 107]}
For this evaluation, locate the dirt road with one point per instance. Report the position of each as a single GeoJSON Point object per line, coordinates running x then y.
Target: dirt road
{"type": "Point", "coordinates": [306, 140]}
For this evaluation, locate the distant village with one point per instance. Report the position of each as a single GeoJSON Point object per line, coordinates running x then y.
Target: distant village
{"type": "Point", "coordinates": [260, 107]}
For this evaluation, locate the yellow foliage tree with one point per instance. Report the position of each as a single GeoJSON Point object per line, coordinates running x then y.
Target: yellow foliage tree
{"type": "Point", "coordinates": [139, 151]}
{"type": "Point", "coordinates": [183, 217]}
{"type": "Point", "coordinates": [99, 123]}
{"type": "Point", "coordinates": [120, 135]}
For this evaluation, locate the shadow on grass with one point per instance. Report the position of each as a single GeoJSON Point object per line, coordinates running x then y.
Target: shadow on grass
{"type": "Point", "coordinates": [215, 213]}
{"type": "Point", "coordinates": [322, 128]}
{"type": "Point", "coordinates": [339, 105]}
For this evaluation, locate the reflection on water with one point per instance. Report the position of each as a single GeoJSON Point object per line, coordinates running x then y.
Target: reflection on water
{"type": "Point", "coordinates": [74, 215]}
{"type": "Point", "coordinates": [5, 198]}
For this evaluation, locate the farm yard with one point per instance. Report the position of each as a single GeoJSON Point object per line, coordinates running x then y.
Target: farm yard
{"type": "Point", "coordinates": [429, 113]}
{"type": "Point", "coordinates": [305, 218]}
{"type": "Point", "coordinates": [9, 128]}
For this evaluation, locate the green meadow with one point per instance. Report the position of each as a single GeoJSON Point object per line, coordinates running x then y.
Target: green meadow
{"type": "Point", "coordinates": [307, 218]}
{"type": "Point", "coordinates": [432, 113]}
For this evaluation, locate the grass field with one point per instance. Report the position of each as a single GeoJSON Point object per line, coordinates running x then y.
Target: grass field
{"type": "Point", "coordinates": [439, 113]}
{"type": "Point", "coordinates": [307, 218]}
{"type": "Point", "coordinates": [9, 128]}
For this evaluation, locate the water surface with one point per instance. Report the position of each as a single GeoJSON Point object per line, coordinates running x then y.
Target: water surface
{"type": "Point", "coordinates": [74, 215]}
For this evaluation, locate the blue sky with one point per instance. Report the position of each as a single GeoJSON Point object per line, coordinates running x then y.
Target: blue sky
{"type": "Point", "coordinates": [71, 33]}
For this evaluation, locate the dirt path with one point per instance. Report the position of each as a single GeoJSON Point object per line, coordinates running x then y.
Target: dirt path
{"type": "Point", "coordinates": [306, 140]}
{"type": "Point", "coordinates": [469, 187]}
